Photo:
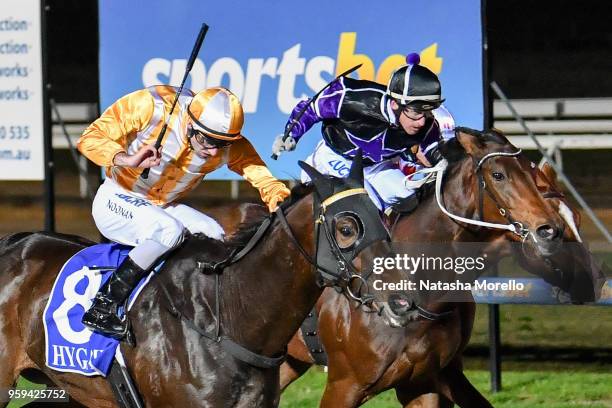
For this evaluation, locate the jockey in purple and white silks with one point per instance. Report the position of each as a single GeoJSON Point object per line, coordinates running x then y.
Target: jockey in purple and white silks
{"type": "Point", "coordinates": [394, 126]}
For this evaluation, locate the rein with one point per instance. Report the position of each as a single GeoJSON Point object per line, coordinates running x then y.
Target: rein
{"type": "Point", "coordinates": [438, 172]}
{"type": "Point", "coordinates": [513, 226]}
{"type": "Point", "coordinates": [439, 169]}
{"type": "Point", "coordinates": [345, 274]}
{"type": "Point", "coordinates": [233, 348]}
{"type": "Point", "coordinates": [239, 352]}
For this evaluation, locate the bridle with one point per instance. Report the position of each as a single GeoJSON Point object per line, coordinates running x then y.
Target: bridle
{"type": "Point", "coordinates": [519, 228]}
{"type": "Point", "coordinates": [333, 264]}
{"type": "Point", "coordinates": [438, 170]}
{"type": "Point", "coordinates": [340, 277]}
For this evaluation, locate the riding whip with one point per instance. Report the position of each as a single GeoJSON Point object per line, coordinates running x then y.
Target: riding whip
{"type": "Point", "coordinates": [192, 57]}
{"type": "Point", "coordinates": [311, 100]}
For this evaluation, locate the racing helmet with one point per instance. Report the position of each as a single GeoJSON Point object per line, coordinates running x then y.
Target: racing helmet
{"type": "Point", "coordinates": [415, 86]}
{"type": "Point", "coordinates": [217, 113]}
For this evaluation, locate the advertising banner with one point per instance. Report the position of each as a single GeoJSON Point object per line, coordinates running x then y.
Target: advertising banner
{"type": "Point", "coordinates": [21, 98]}
{"type": "Point", "coordinates": [274, 54]}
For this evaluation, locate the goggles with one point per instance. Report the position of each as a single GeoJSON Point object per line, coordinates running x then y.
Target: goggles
{"type": "Point", "coordinates": [413, 114]}
{"type": "Point", "coordinates": [206, 141]}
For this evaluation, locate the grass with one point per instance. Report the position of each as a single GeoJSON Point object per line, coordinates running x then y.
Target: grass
{"type": "Point", "coordinates": [525, 389]}
{"type": "Point", "coordinates": [548, 326]}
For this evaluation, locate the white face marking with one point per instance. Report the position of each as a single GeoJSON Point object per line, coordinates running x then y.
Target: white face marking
{"type": "Point", "coordinates": [568, 217]}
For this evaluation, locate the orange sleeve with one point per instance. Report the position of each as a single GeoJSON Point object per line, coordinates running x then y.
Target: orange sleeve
{"type": "Point", "coordinates": [244, 160]}
{"type": "Point", "coordinates": [108, 135]}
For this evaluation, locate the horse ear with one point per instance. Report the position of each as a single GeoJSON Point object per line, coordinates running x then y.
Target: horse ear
{"type": "Point", "coordinates": [320, 182]}
{"type": "Point", "coordinates": [311, 171]}
{"type": "Point", "coordinates": [470, 140]}
{"type": "Point", "coordinates": [356, 172]}
{"type": "Point", "coordinates": [550, 173]}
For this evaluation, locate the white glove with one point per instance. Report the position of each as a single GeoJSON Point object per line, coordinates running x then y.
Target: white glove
{"type": "Point", "coordinates": [280, 146]}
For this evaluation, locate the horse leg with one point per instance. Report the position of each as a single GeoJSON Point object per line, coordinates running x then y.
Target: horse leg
{"type": "Point", "coordinates": [13, 359]}
{"type": "Point", "coordinates": [342, 394]}
{"type": "Point", "coordinates": [291, 370]}
{"type": "Point", "coordinates": [455, 386]}
{"type": "Point", "coordinates": [7, 380]}
{"type": "Point", "coordinates": [429, 401]}
{"type": "Point", "coordinates": [38, 377]}
{"type": "Point", "coordinates": [415, 397]}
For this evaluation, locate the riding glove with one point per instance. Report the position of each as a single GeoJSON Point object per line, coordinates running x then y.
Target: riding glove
{"type": "Point", "coordinates": [281, 145]}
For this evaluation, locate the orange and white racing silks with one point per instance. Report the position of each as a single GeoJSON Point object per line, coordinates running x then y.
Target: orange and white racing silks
{"type": "Point", "coordinates": [137, 118]}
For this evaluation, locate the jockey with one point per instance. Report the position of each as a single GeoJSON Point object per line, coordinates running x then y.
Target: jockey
{"type": "Point", "coordinates": [389, 124]}
{"type": "Point", "coordinates": [204, 133]}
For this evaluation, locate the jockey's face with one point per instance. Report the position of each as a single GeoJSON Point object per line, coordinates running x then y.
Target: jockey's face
{"type": "Point", "coordinates": [204, 146]}
{"type": "Point", "coordinates": [410, 120]}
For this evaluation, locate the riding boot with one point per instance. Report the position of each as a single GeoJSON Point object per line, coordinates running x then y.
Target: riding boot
{"type": "Point", "coordinates": [102, 316]}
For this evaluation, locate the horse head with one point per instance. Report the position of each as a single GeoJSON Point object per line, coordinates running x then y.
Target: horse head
{"type": "Point", "coordinates": [510, 189]}
{"type": "Point", "coordinates": [573, 270]}
{"type": "Point", "coordinates": [349, 235]}
{"type": "Point", "coordinates": [506, 194]}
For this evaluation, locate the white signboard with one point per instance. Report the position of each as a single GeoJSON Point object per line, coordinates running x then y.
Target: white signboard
{"type": "Point", "coordinates": [21, 98]}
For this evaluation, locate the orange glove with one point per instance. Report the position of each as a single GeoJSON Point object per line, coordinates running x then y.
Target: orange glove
{"type": "Point", "coordinates": [277, 198]}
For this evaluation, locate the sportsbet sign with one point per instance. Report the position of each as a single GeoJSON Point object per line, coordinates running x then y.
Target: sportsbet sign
{"type": "Point", "coordinates": [246, 82]}
{"type": "Point", "coordinates": [274, 54]}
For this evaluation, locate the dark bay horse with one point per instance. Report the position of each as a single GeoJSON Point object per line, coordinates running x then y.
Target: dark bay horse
{"type": "Point", "coordinates": [422, 360]}
{"type": "Point", "coordinates": [172, 363]}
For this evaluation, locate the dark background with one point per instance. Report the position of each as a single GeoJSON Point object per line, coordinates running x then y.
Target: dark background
{"type": "Point", "coordinates": [537, 49]}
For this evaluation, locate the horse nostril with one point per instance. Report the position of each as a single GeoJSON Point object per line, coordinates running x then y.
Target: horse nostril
{"type": "Point", "coordinates": [546, 232]}
{"type": "Point", "coordinates": [399, 304]}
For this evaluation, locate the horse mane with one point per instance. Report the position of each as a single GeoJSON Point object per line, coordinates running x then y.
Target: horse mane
{"type": "Point", "coordinates": [491, 136]}
{"type": "Point", "coordinates": [253, 220]}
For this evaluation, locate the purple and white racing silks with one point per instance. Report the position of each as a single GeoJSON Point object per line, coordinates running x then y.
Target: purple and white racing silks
{"type": "Point", "coordinates": [356, 114]}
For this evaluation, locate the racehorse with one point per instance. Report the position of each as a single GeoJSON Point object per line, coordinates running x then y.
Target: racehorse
{"type": "Point", "coordinates": [486, 179]}
{"type": "Point", "coordinates": [173, 362]}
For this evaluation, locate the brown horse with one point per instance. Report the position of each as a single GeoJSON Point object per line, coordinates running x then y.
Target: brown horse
{"type": "Point", "coordinates": [173, 364]}
{"type": "Point", "coordinates": [575, 256]}
{"type": "Point", "coordinates": [425, 356]}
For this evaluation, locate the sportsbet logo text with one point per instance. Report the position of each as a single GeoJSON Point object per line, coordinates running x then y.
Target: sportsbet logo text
{"type": "Point", "coordinates": [246, 83]}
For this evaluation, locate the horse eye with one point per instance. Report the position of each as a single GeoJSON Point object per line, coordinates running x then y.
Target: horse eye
{"type": "Point", "coordinates": [498, 176]}
{"type": "Point", "coordinates": [346, 231]}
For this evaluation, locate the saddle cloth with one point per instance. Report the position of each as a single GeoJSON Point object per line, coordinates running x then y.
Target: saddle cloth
{"type": "Point", "coordinates": [70, 346]}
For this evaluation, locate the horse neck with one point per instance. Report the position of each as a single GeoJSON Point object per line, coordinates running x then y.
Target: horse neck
{"type": "Point", "coordinates": [427, 223]}
{"type": "Point", "coordinates": [267, 295]}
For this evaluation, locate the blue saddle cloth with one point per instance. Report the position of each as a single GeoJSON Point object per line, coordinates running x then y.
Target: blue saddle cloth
{"type": "Point", "coordinates": [70, 346]}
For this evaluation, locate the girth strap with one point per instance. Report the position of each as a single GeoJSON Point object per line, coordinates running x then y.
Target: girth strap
{"type": "Point", "coordinates": [249, 357]}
